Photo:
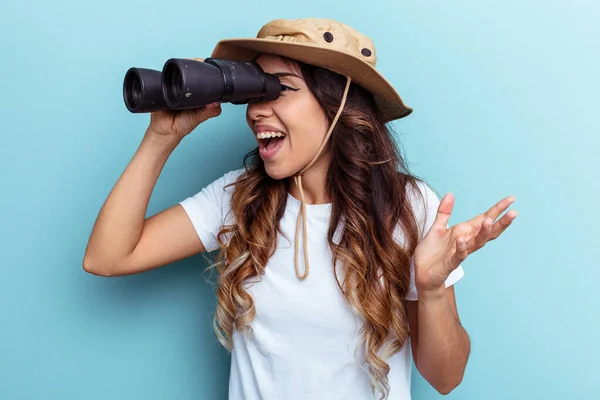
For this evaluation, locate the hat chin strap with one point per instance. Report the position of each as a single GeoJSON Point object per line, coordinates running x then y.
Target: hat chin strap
{"type": "Point", "coordinates": [298, 181]}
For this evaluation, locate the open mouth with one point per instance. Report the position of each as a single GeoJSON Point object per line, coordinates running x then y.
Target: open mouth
{"type": "Point", "coordinates": [270, 142]}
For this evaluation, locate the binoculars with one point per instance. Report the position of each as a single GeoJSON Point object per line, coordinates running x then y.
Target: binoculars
{"type": "Point", "coordinates": [185, 84]}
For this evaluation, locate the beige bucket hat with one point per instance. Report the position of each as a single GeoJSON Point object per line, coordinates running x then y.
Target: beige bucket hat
{"type": "Point", "coordinates": [324, 43]}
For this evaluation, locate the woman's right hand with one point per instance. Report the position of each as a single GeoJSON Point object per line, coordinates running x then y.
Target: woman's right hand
{"type": "Point", "coordinates": [175, 125]}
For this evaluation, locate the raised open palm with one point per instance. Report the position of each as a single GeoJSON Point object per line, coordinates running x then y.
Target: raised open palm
{"type": "Point", "coordinates": [443, 249]}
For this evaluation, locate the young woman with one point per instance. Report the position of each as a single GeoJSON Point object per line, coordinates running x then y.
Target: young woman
{"type": "Point", "coordinates": [335, 264]}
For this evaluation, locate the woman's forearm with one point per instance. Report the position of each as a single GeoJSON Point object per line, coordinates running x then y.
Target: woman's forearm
{"type": "Point", "coordinates": [443, 345]}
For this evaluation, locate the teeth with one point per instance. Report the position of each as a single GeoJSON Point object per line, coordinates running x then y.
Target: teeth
{"type": "Point", "coordinates": [270, 134]}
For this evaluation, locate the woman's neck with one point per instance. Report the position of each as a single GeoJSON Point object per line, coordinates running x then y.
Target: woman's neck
{"type": "Point", "coordinates": [314, 184]}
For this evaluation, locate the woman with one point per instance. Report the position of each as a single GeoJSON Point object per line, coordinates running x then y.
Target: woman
{"type": "Point", "coordinates": [333, 258]}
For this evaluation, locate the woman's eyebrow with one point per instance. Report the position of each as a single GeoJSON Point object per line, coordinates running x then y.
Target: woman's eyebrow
{"type": "Point", "coordinates": [286, 74]}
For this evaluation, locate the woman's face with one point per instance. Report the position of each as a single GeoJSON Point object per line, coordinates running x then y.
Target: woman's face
{"type": "Point", "coordinates": [295, 121]}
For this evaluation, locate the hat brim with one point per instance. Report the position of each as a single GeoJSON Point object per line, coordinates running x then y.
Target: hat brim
{"type": "Point", "coordinates": [387, 99]}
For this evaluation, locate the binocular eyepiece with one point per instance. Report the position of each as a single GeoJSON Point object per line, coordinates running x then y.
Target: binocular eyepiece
{"type": "Point", "coordinates": [185, 84]}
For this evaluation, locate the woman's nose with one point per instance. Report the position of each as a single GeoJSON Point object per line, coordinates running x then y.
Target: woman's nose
{"type": "Point", "coordinates": [258, 110]}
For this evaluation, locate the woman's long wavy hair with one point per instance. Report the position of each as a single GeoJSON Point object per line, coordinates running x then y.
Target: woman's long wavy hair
{"type": "Point", "coordinates": [368, 183]}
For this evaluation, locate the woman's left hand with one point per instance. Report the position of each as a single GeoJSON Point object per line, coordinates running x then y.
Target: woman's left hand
{"type": "Point", "coordinates": [443, 249]}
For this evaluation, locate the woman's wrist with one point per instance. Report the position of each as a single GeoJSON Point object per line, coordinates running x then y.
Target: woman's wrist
{"type": "Point", "coordinates": [161, 143]}
{"type": "Point", "coordinates": [431, 293]}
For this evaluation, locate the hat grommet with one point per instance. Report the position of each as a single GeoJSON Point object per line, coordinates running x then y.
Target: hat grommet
{"type": "Point", "coordinates": [328, 36]}
{"type": "Point", "coordinates": [366, 52]}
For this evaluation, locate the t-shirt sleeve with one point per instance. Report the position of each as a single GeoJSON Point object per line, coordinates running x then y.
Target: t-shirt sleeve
{"type": "Point", "coordinates": [425, 217]}
{"type": "Point", "coordinates": [210, 209]}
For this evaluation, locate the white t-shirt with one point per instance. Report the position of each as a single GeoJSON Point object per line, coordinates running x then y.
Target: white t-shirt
{"type": "Point", "coordinates": [304, 336]}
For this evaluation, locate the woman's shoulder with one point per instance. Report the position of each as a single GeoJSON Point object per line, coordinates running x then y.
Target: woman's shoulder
{"type": "Point", "coordinates": [232, 175]}
{"type": "Point", "coordinates": [226, 180]}
{"type": "Point", "coordinates": [220, 189]}
{"type": "Point", "coordinates": [424, 201]}
{"type": "Point", "coordinates": [421, 194]}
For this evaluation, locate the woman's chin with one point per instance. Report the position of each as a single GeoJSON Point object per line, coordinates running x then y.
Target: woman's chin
{"type": "Point", "coordinates": [277, 171]}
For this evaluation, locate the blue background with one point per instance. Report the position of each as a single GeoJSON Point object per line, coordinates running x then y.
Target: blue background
{"type": "Point", "coordinates": [506, 103]}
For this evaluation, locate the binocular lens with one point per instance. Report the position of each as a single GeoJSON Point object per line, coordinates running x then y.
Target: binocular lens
{"type": "Point", "coordinates": [134, 91]}
{"type": "Point", "coordinates": [184, 84]}
{"type": "Point", "coordinates": [142, 90]}
{"type": "Point", "coordinates": [174, 84]}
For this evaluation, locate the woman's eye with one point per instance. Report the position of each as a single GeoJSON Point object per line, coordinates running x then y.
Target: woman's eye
{"type": "Point", "coordinates": [285, 88]}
